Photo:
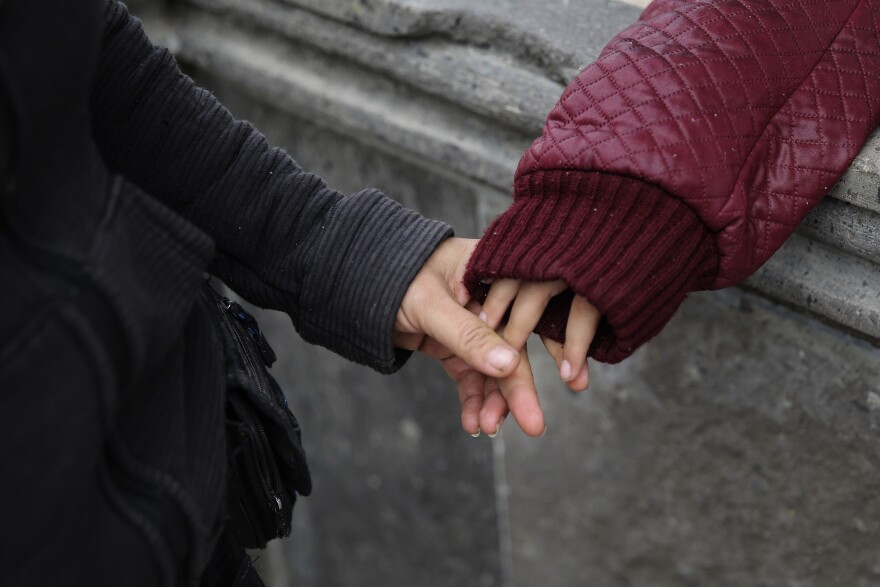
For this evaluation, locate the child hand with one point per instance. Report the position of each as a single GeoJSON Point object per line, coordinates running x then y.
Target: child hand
{"type": "Point", "coordinates": [529, 300]}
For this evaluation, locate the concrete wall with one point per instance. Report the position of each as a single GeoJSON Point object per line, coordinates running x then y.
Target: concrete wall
{"type": "Point", "coordinates": [740, 448]}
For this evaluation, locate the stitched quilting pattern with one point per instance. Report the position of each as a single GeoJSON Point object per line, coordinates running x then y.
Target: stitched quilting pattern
{"type": "Point", "coordinates": [749, 111]}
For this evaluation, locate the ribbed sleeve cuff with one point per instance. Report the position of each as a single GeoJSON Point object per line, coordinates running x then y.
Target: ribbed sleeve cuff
{"type": "Point", "coordinates": [362, 260]}
{"type": "Point", "coordinates": [629, 248]}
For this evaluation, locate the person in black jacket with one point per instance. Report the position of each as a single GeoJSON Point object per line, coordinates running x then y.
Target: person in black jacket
{"type": "Point", "coordinates": [122, 183]}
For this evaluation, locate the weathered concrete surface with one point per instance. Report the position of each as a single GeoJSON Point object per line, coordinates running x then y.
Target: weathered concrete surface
{"type": "Point", "coordinates": [561, 36]}
{"type": "Point", "coordinates": [357, 102]}
{"type": "Point", "coordinates": [464, 74]}
{"type": "Point", "coordinates": [738, 449]}
{"type": "Point", "coordinates": [833, 284]}
{"type": "Point", "coordinates": [861, 183]}
{"type": "Point", "coordinates": [845, 226]}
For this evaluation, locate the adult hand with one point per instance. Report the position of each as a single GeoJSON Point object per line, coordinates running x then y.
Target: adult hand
{"type": "Point", "coordinates": [437, 317]}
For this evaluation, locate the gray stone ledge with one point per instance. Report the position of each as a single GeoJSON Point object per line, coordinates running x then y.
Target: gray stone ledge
{"type": "Point", "coordinates": [479, 80]}
{"type": "Point", "coordinates": [558, 36]}
{"type": "Point", "coordinates": [825, 281]}
{"type": "Point", "coordinates": [343, 95]}
{"type": "Point", "coordinates": [860, 185]}
{"type": "Point", "coordinates": [846, 226]}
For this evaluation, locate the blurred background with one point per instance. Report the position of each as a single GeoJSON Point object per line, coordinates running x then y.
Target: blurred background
{"type": "Point", "coordinates": [739, 448]}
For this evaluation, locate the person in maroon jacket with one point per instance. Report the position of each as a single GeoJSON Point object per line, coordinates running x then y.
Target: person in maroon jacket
{"type": "Point", "coordinates": [680, 161]}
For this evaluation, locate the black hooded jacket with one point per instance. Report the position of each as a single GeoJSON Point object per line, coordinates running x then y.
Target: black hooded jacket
{"type": "Point", "coordinates": [122, 183]}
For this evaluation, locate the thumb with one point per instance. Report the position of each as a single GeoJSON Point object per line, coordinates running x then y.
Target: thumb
{"type": "Point", "coordinates": [468, 337]}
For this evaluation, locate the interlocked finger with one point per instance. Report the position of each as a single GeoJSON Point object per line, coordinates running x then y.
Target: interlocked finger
{"type": "Point", "coordinates": [583, 320]}
{"type": "Point", "coordinates": [521, 396]}
{"type": "Point", "coordinates": [529, 306]}
{"type": "Point", "coordinates": [554, 348]}
{"type": "Point", "coordinates": [495, 408]}
{"type": "Point", "coordinates": [501, 295]}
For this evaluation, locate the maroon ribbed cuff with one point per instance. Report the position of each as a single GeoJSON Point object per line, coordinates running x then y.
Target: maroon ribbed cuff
{"type": "Point", "coordinates": [629, 248]}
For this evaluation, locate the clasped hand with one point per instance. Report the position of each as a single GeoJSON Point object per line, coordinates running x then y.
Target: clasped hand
{"type": "Point", "coordinates": [484, 355]}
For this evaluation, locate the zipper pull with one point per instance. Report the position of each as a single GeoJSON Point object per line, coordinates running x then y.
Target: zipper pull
{"type": "Point", "coordinates": [250, 324]}
{"type": "Point", "coordinates": [265, 350]}
{"type": "Point", "coordinates": [282, 528]}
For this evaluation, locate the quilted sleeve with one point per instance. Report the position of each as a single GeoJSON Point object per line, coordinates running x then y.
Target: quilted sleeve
{"type": "Point", "coordinates": [686, 155]}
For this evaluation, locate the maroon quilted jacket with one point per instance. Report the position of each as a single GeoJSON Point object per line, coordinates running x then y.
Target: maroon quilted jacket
{"type": "Point", "coordinates": [686, 155]}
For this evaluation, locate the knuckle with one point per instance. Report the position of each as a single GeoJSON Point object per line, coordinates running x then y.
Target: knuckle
{"type": "Point", "coordinates": [519, 390]}
{"type": "Point", "coordinates": [467, 375]}
{"type": "Point", "coordinates": [470, 401]}
{"type": "Point", "coordinates": [473, 335]}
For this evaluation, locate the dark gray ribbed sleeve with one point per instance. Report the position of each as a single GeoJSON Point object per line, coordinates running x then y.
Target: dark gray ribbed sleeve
{"type": "Point", "coordinates": [338, 265]}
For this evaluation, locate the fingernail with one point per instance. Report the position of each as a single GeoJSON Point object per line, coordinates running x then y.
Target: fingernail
{"type": "Point", "coordinates": [565, 370]}
{"type": "Point", "coordinates": [501, 357]}
{"type": "Point", "coordinates": [544, 432]}
{"type": "Point", "coordinates": [484, 317]}
{"type": "Point", "coordinates": [498, 429]}
{"type": "Point", "coordinates": [476, 434]}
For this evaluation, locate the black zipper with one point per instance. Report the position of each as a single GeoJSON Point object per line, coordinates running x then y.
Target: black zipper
{"type": "Point", "coordinates": [230, 310]}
